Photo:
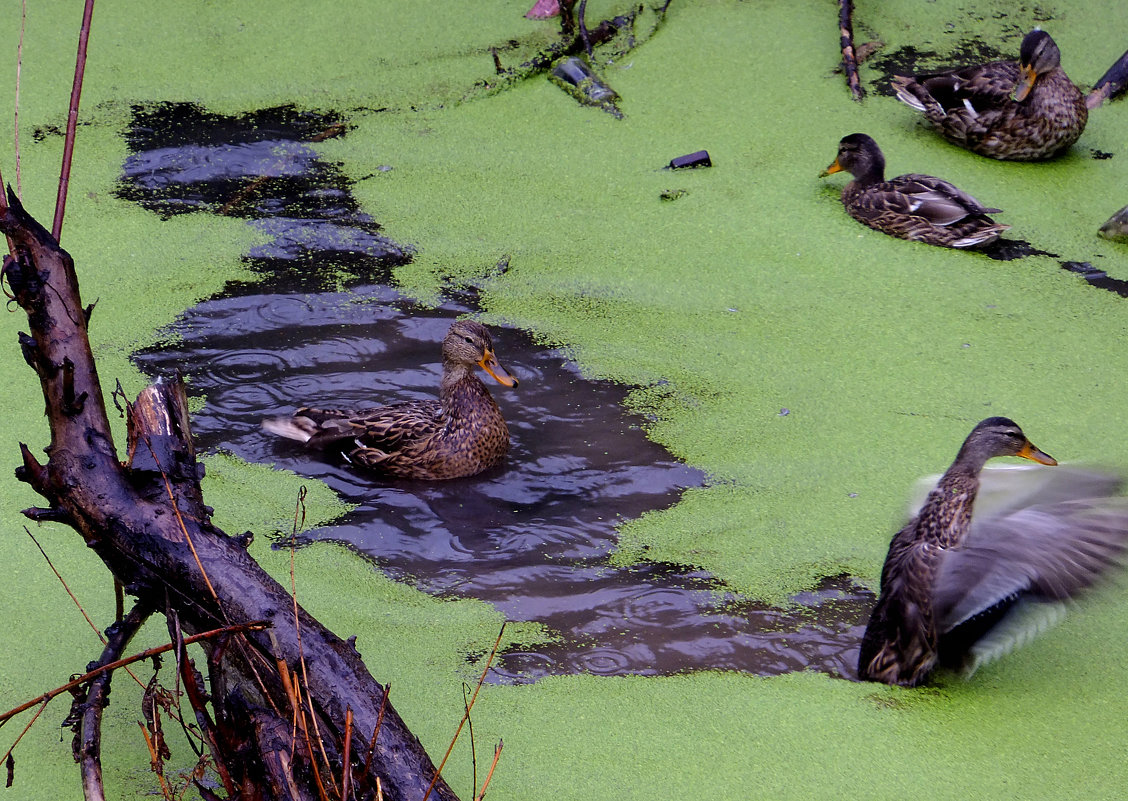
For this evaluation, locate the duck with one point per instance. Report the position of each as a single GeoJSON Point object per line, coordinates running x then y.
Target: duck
{"type": "Point", "coordinates": [460, 434]}
{"type": "Point", "coordinates": [1017, 111]}
{"type": "Point", "coordinates": [915, 207]}
{"type": "Point", "coordinates": [959, 591]}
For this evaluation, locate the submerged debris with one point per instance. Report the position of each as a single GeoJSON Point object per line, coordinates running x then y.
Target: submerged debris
{"type": "Point", "coordinates": [576, 77]}
{"type": "Point", "coordinates": [543, 9]}
{"type": "Point", "coordinates": [1085, 269]}
{"type": "Point", "coordinates": [1116, 228]}
{"type": "Point", "coordinates": [698, 159]}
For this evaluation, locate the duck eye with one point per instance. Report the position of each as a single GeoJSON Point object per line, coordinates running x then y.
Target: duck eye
{"type": "Point", "coordinates": [470, 340]}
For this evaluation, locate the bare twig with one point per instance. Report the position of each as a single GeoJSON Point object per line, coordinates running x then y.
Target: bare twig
{"type": "Point", "coordinates": [473, 746]}
{"type": "Point", "coordinates": [155, 763]}
{"type": "Point", "coordinates": [16, 100]}
{"type": "Point", "coordinates": [255, 625]}
{"type": "Point", "coordinates": [51, 565]}
{"type": "Point", "coordinates": [72, 120]}
{"type": "Point", "coordinates": [583, 29]}
{"type": "Point", "coordinates": [198, 701]}
{"type": "Point", "coordinates": [849, 59]}
{"type": "Point", "coordinates": [372, 744]}
{"type": "Point", "coordinates": [299, 520]}
{"type": "Point", "coordinates": [299, 705]}
{"type": "Point", "coordinates": [8, 754]}
{"type": "Point", "coordinates": [473, 698]}
{"type": "Point", "coordinates": [346, 768]}
{"type": "Point", "coordinates": [497, 755]}
{"type": "Point", "coordinates": [184, 528]}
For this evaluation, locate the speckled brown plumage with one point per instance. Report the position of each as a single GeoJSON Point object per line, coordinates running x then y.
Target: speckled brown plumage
{"type": "Point", "coordinates": [1019, 111]}
{"type": "Point", "coordinates": [460, 434]}
{"type": "Point", "coordinates": [915, 207]}
{"type": "Point", "coordinates": [901, 643]}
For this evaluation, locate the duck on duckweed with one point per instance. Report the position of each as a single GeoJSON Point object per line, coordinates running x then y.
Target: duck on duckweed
{"type": "Point", "coordinates": [914, 207]}
{"type": "Point", "coordinates": [1019, 111]}
{"type": "Point", "coordinates": [960, 591]}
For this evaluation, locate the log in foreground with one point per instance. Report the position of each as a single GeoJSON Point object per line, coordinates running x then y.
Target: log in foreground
{"type": "Point", "coordinates": [147, 521]}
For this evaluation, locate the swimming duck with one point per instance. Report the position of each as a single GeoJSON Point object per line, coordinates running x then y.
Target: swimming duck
{"type": "Point", "coordinates": [953, 591]}
{"type": "Point", "coordinates": [915, 207]}
{"type": "Point", "coordinates": [1020, 111]}
{"type": "Point", "coordinates": [460, 434]}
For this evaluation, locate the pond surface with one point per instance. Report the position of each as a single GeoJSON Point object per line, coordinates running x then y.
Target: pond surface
{"type": "Point", "coordinates": [531, 537]}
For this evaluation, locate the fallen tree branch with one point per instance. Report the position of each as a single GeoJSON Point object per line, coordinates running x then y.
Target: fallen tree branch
{"type": "Point", "coordinates": [147, 521]}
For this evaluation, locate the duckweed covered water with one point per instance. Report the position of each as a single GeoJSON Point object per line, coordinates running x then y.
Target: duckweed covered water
{"type": "Point", "coordinates": [750, 293]}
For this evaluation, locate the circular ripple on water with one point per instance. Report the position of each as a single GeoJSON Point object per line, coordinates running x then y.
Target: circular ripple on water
{"type": "Point", "coordinates": [522, 667]}
{"type": "Point", "coordinates": [609, 661]}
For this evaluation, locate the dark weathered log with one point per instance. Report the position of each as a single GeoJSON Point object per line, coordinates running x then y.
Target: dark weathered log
{"type": "Point", "coordinates": [149, 525]}
{"type": "Point", "coordinates": [1111, 84]}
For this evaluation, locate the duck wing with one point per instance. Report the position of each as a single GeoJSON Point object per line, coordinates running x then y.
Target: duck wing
{"type": "Point", "coordinates": [383, 427]}
{"type": "Point", "coordinates": [1010, 579]}
{"type": "Point", "coordinates": [1050, 552]}
{"type": "Point", "coordinates": [899, 644]}
{"type": "Point", "coordinates": [972, 90]}
{"type": "Point", "coordinates": [934, 199]}
{"type": "Point", "coordinates": [1006, 488]}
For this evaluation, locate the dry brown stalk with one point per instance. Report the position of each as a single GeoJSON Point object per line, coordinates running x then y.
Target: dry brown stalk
{"type": "Point", "coordinates": [97, 631]}
{"type": "Point", "coordinates": [256, 625]}
{"type": "Point", "coordinates": [155, 763]}
{"type": "Point", "coordinates": [72, 120]}
{"type": "Point", "coordinates": [8, 754]}
{"type": "Point", "coordinates": [497, 755]}
{"type": "Point", "coordinates": [346, 768]}
{"type": "Point", "coordinates": [466, 714]}
{"type": "Point", "coordinates": [372, 742]}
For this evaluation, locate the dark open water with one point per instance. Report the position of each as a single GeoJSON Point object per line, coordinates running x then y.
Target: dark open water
{"type": "Point", "coordinates": [531, 537]}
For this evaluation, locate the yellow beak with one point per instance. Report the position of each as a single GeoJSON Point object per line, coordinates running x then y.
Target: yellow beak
{"type": "Point", "coordinates": [1025, 83]}
{"type": "Point", "coordinates": [833, 168]}
{"type": "Point", "coordinates": [502, 376]}
{"type": "Point", "coordinates": [1033, 454]}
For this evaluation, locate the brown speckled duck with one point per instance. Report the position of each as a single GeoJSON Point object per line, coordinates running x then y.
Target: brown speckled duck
{"type": "Point", "coordinates": [914, 207]}
{"type": "Point", "coordinates": [948, 586]}
{"type": "Point", "coordinates": [460, 434]}
{"type": "Point", "coordinates": [1005, 110]}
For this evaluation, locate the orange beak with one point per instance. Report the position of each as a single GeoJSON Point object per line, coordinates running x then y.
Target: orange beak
{"type": "Point", "coordinates": [1033, 454]}
{"type": "Point", "coordinates": [833, 168]}
{"type": "Point", "coordinates": [490, 364]}
{"type": "Point", "coordinates": [1025, 83]}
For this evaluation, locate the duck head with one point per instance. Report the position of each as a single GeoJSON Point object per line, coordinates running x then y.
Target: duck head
{"type": "Point", "coordinates": [469, 343]}
{"type": "Point", "coordinates": [1039, 55]}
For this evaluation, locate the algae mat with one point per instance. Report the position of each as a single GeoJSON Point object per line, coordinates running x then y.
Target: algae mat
{"type": "Point", "coordinates": [749, 294]}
